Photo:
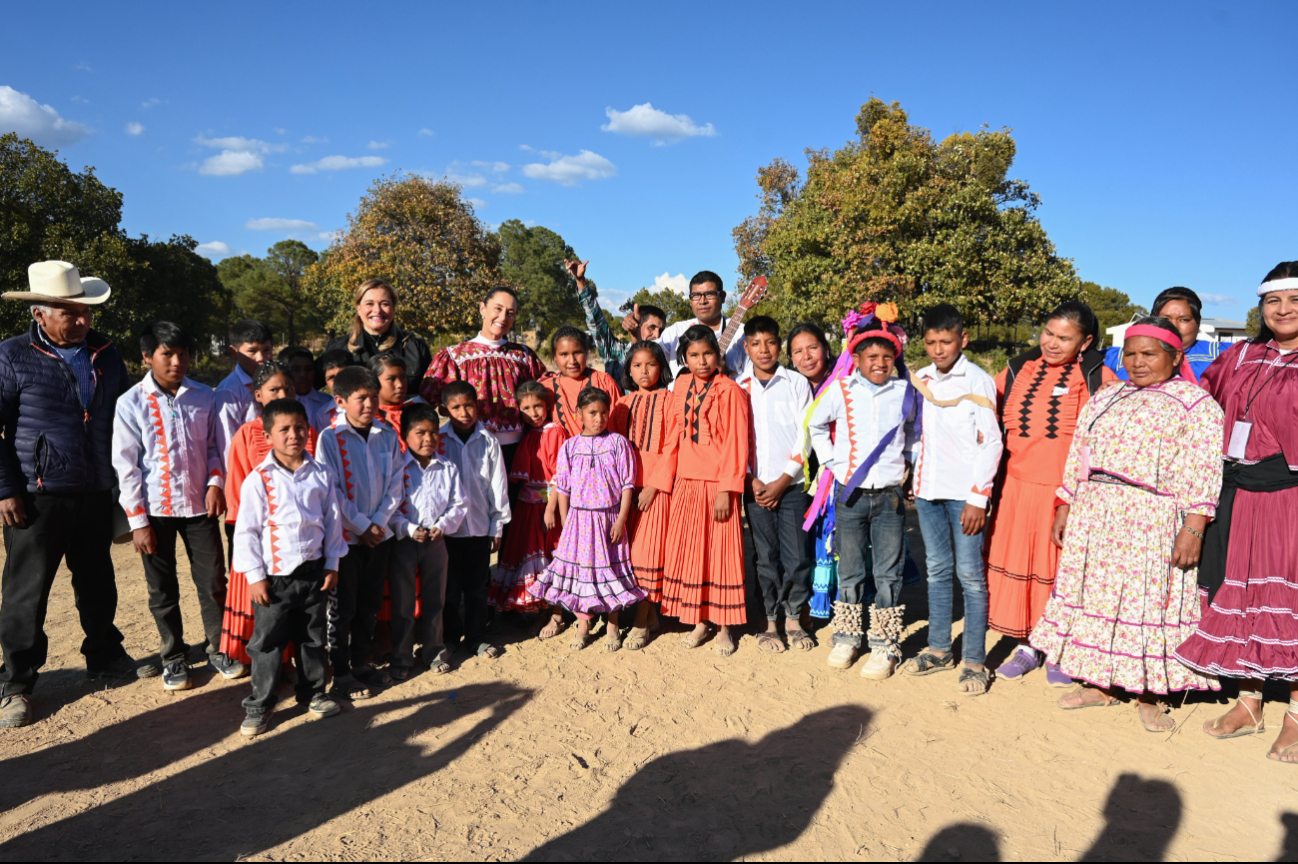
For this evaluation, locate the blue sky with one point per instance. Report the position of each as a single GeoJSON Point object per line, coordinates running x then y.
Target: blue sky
{"type": "Point", "coordinates": [1161, 137]}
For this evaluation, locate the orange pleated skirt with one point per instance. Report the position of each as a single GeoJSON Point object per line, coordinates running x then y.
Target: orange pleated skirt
{"type": "Point", "coordinates": [236, 623]}
{"type": "Point", "coordinates": [1021, 558]}
{"type": "Point", "coordinates": [703, 568]}
{"type": "Point", "coordinates": [648, 532]}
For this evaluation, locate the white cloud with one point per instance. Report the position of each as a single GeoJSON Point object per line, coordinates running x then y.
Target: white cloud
{"type": "Point", "coordinates": [329, 236]}
{"type": "Point", "coordinates": [457, 173]}
{"type": "Point", "coordinates": [338, 163]}
{"type": "Point", "coordinates": [571, 170]}
{"type": "Point", "coordinates": [311, 139]}
{"type": "Point", "coordinates": [241, 145]}
{"type": "Point", "coordinates": [477, 203]}
{"type": "Point", "coordinates": [41, 123]}
{"type": "Point", "coordinates": [81, 99]}
{"type": "Point", "coordinates": [646, 121]}
{"type": "Point", "coordinates": [426, 133]}
{"type": "Point", "coordinates": [379, 145]}
{"type": "Point", "coordinates": [1217, 299]}
{"type": "Point", "coordinates": [677, 283]}
{"type": "Point", "coordinates": [83, 66]}
{"type": "Point", "coordinates": [230, 163]}
{"type": "Point", "coordinates": [509, 189]}
{"type": "Point", "coordinates": [215, 249]}
{"type": "Point", "coordinates": [525, 147]}
{"type": "Point", "coordinates": [134, 128]}
{"type": "Point", "coordinates": [493, 167]}
{"type": "Point", "coordinates": [149, 103]}
{"type": "Point", "coordinates": [280, 225]}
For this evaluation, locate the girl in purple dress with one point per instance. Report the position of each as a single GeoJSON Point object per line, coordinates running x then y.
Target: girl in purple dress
{"type": "Point", "coordinates": [590, 573]}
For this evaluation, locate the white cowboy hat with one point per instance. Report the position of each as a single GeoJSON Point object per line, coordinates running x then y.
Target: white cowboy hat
{"type": "Point", "coordinates": [59, 282]}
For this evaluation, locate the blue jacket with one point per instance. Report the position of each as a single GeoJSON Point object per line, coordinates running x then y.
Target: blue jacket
{"type": "Point", "coordinates": [51, 443]}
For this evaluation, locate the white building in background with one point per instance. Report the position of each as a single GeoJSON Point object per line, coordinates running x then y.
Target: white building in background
{"type": "Point", "coordinates": [1211, 329]}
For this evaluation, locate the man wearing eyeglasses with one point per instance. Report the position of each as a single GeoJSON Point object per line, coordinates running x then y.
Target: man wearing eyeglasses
{"type": "Point", "coordinates": [707, 298]}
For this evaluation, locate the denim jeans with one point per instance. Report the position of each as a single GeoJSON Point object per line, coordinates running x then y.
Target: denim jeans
{"type": "Point", "coordinates": [298, 613]}
{"type": "Point", "coordinates": [876, 518]}
{"type": "Point", "coordinates": [784, 554]}
{"type": "Point", "coordinates": [950, 549]}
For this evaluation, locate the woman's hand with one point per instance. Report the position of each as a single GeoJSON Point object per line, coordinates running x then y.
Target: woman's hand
{"type": "Point", "coordinates": [646, 500]}
{"type": "Point", "coordinates": [1188, 547]}
{"type": "Point", "coordinates": [721, 507]}
{"type": "Point", "coordinates": [1061, 522]}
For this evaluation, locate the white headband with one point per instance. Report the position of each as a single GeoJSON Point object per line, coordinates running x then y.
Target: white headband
{"type": "Point", "coordinates": [1289, 283]}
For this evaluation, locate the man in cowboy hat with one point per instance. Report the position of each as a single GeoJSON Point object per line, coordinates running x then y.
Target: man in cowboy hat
{"type": "Point", "coordinates": [59, 384]}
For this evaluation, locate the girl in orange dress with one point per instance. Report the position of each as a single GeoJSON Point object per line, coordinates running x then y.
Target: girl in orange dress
{"type": "Point", "coordinates": [534, 526]}
{"type": "Point", "coordinates": [642, 417]}
{"type": "Point", "coordinates": [703, 569]}
{"type": "Point", "coordinates": [248, 448]}
{"type": "Point", "coordinates": [1041, 395]}
{"type": "Point", "coordinates": [570, 347]}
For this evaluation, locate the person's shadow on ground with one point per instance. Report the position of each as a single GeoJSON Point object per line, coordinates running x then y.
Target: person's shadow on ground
{"type": "Point", "coordinates": [964, 841]}
{"type": "Point", "coordinates": [259, 795]}
{"type": "Point", "coordinates": [1141, 818]}
{"type": "Point", "coordinates": [723, 801]}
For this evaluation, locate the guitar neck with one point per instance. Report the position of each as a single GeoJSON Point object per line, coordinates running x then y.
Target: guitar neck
{"type": "Point", "coordinates": [736, 321]}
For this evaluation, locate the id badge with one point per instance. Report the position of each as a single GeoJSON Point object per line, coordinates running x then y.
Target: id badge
{"type": "Point", "coordinates": [1084, 463]}
{"type": "Point", "coordinates": [1239, 439]}
{"type": "Point", "coordinates": [1059, 390]}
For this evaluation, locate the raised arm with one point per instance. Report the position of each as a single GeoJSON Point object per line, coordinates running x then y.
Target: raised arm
{"type": "Point", "coordinates": [609, 346]}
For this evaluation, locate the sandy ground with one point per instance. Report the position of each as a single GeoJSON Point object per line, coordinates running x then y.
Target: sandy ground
{"type": "Point", "coordinates": [551, 754]}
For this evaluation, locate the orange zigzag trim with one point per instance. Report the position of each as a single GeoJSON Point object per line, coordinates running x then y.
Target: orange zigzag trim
{"type": "Point", "coordinates": [164, 457]}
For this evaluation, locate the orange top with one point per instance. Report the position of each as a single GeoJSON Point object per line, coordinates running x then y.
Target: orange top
{"type": "Point", "coordinates": [642, 418]}
{"type": "Point", "coordinates": [247, 450]}
{"type": "Point", "coordinates": [538, 455]}
{"type": "Point", "coordinates": [708, 436]}
{"type": "Point", "coordinates": [391, 415]}
{"type": "Point", "coordinates": [1039, 414]}
{"type": "Point", "coordinates": [565, 390]}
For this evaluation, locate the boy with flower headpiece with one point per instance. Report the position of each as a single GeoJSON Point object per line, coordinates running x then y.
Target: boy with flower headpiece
{"type": "Point", "coordinates": [877, 417]}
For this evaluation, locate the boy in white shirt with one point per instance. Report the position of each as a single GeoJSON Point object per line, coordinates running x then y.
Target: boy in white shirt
{"type": "Point", "coordinates": [287, 542]}
{"type": "Point", "coordinates": [432, 506]}
{"type": "Point", "coordinates": [365, 460]}
{"type": "Point", "coordinates": [476, 452]}
{"type": "Point", "coordinates": [301, 366]}
{"type": "Point", "coordinates": [778, 502]}
{"type": "Point", "coordinates": [876, 419]}
{"type": "Point", "coordinates": [170, 474]}
{"type": "Point", "coordinates": [251, 344]}
{"type": "Point", "coordinates": [959, 455]}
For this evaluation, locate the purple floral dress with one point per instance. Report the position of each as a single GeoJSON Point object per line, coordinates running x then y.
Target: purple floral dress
{"type": "Point", "coordinates": [589, 574]}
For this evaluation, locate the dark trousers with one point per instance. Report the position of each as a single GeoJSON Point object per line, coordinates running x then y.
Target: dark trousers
{"type": "Point", "coordinates": [361, 574]}
{"type": "Point", "coordinates": [202, 538]}
{"type": "Point", "coordinates": [874, 518]}
{"type": "Point", "coordinates": [468, 578]}
{"type": "Point", "coordinates": [78, 528]}
{"type": "Point", "coordinates": [784, 554]}
{"type": "Point", "coordinates": [298, 612]}
{"type": "Point", "coordinates": [418, 570]}
{"type": "Point", "coordinates": [229, 545]}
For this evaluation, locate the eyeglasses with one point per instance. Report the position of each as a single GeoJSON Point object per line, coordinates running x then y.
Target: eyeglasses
{"type": "Point", "coordinates": [705, 295]}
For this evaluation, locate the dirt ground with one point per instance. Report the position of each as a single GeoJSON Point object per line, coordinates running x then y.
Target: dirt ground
{"type": "Point", "coordinates": [550, 754]}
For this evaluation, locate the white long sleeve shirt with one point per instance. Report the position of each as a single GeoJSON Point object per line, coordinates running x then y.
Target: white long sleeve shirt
{"type": "Point", "coordinates": [165, 450]}
{"type": "Point", "coordinates": [432, 497]}
{"type": "Point", "coordinates": [779, 438]}
{"type": "Point", "coordinates": [483, 479]}
{"type": "Point", "coordinates": [234, 407]}
{"type": "Point", "coordinates": [286, 518]}
{"type": "Point", "coordinates": [960, 447]}
{"type": "Point", "coordinates": [367, 474]}
{"type": "Point", "coordinates": [736, 356]}
{"type": "Point", "coordinates": [864, 412]}
{"type": "Point", "coordinates": [321, 409]}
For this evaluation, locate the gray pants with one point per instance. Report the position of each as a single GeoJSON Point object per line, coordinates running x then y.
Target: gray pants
{"type": "Point", "coordinates": [418, 569]}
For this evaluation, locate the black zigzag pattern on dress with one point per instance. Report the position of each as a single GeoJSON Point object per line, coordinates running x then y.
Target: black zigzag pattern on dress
{"type": "Point", "coordinates": [1025, 407]}
{"type": "Point", "coordinates": [694, 405]}
{"type": "Point", "coordinates": [1052, 413]}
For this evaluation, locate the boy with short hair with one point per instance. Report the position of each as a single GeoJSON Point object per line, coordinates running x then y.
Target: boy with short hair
{"type": "Point", "coordinates": [778, 502]}
{"type": "Point", "coordinates": [432, 506]}
{"type": "Point", "coordinates": [390, 369]}
{"type": "Point", "coordinates": [468, 444]}
{"type": "Point", "coordinates": [873, 421]}
{"type": "Point", "coordinates": [170, 474]}
{"type": "Point", "coordinates": [251, 344]}
{"type": "Point", "coordinates": [959, 455]}
{"type": "Point", "coordinates": [331, 363]}
{"type": "Point", "coordinates": [288, 539]}
{"type": "Point", "coordinates": [365, 462]}
{"type": "Point", "coordinates": [301, 366]}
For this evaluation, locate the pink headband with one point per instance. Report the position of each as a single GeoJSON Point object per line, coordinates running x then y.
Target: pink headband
{"type": "Point", "coordinates": [1168, 337]}
{"type": "Point", "coordinates": [873, 334]}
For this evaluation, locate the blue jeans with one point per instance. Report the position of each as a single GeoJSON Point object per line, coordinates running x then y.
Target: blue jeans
{"type": "Point", "coordinates": [784, 554]}
{"type": "Point", "coordinates": [876, 518]}
{"type": "Point", "coordinates": [948, 549]}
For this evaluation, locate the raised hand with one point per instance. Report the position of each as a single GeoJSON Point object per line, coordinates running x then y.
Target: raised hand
{"type": "Point", "coordinates": [631, 323]}
{"type": "Point", "coordinates": [576, 269]}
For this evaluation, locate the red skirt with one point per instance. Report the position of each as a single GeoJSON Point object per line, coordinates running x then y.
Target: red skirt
{"type": "Point", "coordinates": [703, 568]}
{"type": "Point", "coordinates": [648, 532]}
{"type": "Point", "coordinates": [525, 554]}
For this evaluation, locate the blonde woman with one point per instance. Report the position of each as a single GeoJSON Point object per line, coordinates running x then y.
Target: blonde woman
{"type": "Point", "coordinates": [375, 331]}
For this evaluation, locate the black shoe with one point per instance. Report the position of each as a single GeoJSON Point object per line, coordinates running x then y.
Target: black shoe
{"type": "Point", "coordinates": [15, 711]}
{"type": "Point", "coordinates": [226, 666]}
{"type": "Point", "coordinates": [123, 667]}
{"type": "Point", "coordinates": [254, 724]}
{"type": "Point", "coordinates": [175, 676]}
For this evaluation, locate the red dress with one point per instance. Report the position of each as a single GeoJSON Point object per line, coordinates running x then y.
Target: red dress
{"type": "Point", "coordinates": [565, 391]}
{"type": "Point", "coordinates": [494, 372]}
{"type": "Point", "coordinates": [391, 415]}
{"type": "Point", "coordinates": [528, 547]}
{"type": "Point", "coordinates": [642, 418]}
{"type": "Point", "coordinates": [248, 449]}
{"type": "Point", "coordinates": [703, 569]}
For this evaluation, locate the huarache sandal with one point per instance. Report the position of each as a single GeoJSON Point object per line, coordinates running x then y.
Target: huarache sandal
{"type": "Point", "coordinates": [441, 667]}
{"type": "Point", "coordinates": [694, 638]}
{"type": "Point", "coordinates": [373, 675]}
{"type": "Point", "coordinates": [552, 628]}
{"type": "Point", "coordinates": [350, 688]}
{"type": "Point", "coordinates": [800, 640]}
{"type": "Point", "coordinates": [1161, 722]}
{"type": "Point", "coordinates": [770, 642]}
{"type": "Point", "coordinates": [1104, 701]}
{"type": "Point", "coordinates": [1256, 728]}
{"type": "Point", "coordinates": [636, 639]}
{"type": "Point", "coordinates": [400, 673]}
{"type": "Point", "coordinates": [928, 662]}
{"type": "Point", "coordinates": [613, 641]}
{"type": "Point", "coordinates": [1278, 755]}
{"type": "Point", "coordinates": [973, 682]}
{"type": "Point", "coordinates": [488, 651]}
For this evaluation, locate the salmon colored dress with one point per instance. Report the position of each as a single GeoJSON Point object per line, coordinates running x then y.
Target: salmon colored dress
{"type": "Point", "coordinates": [247, 450]}
{"type": "Point", "coordinates": [565, 391]}
{"type": "Point", "coordinates": [703, 569]}
{"type": "Point", "coordinates": [1039, 414]}
{"type": "Point", "coordinates": [642, 418]}
{"type": "Point", "coordinates": [528, 547]}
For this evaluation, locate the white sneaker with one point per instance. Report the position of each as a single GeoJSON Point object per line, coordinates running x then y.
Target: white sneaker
{"type": "Point", "coordinates": [879, 666]}
{"type": "Point", "coordinates": [842, 657]}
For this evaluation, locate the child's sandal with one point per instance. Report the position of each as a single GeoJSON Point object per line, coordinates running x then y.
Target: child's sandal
{"type": "Point", "coordinates": [636, 639]}
{"type": "Point", "coordinates": [800, 640]}
{"type": "Point", "coordinates": [977, 680]}
{"type": "Point", "coordinates": [612, 642]}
